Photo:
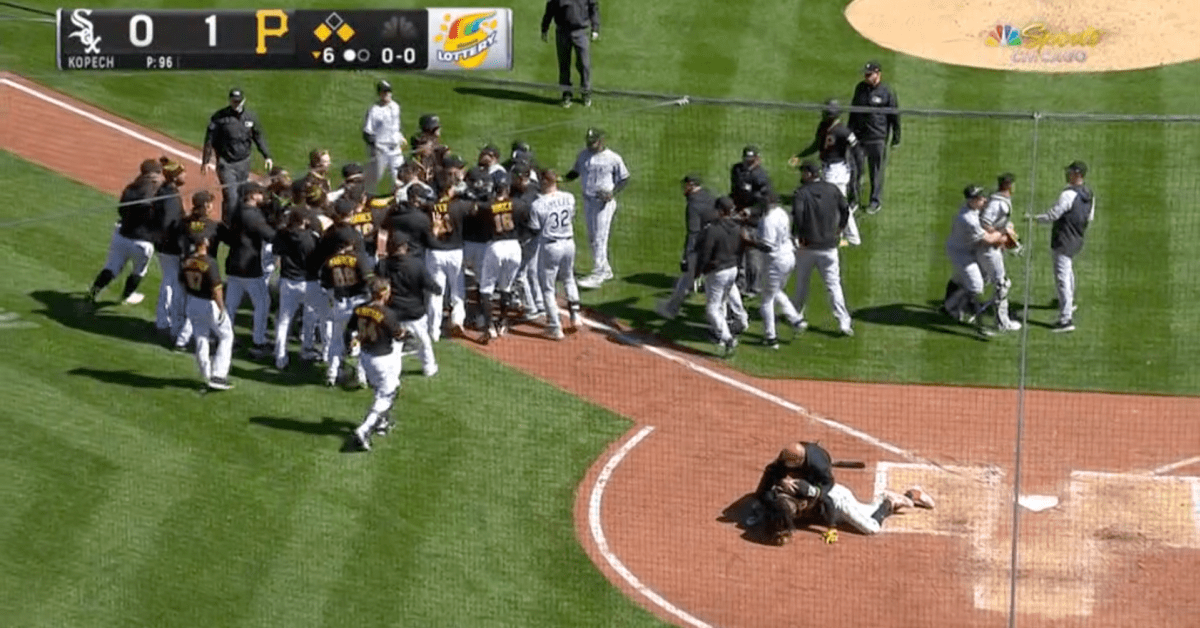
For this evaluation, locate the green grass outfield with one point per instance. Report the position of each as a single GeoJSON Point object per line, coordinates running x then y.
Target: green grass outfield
{"type": "Point", "coordinates": [127, 503]}
{"type": "Point", "coordinates": [130, 500]}
{"type": "Point", "coordinates": [1140, 304]}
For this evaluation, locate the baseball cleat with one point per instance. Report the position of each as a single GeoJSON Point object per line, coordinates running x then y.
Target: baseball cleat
{"type": "Point", "coordinates": [661, 310]}
{"type": "Point", "coordinates": [362, 442]}
{"type": "Point", "coordinates": [566, 101]}
{"type": "Point", "coordinates": [533, 316]}
{"type": "Point", "coordinates": [1063, 326]}
{"type": "Point", "coordinates": [574, 320]}
{"type": "Point", "coordinates": [383, 426]}
{"type": "Point", "coordinates": [919, 497]}
{"type": "Point", "coordinates": [431, 371]}
{"type": "Point", "coordinates": [874, 208]}
{"type": "Point", "coordinates": [771, 343]}
{"type": "Point", "coordinates": [330, 382]}
{"type": "Point", "coordinates": [984, 331]}
{"type": "Point", "coordinates": [219, 383]}
{"type": "Point", "coordinates": [799, 326]}
{"type": "Point", "coordinates": [93, 294]}
{"type": "Point", "coordinates": [555, 333]}
{"type": "Point", "coordinates": [1010, 326]}
{"type": "Point", "coordinates": [897, 501]}
{"type": "Point", "coordinates": [281, 364]}
{"type": "Point", "coordinates": [133, 299]}
{"type": "Point", "coordinates": [590, 282]}
{"type": "Point", "coordinates": [847, 331]}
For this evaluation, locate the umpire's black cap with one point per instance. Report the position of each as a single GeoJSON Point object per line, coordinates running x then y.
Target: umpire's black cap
{"type": "Point", "coordinates": [810, 167]}
{"type": "Point", "coordinates": [236, 94]}
{"type": "Point", "coordinates": [1077, 166]}
{"type": "Point", "coordinates": [871, 67]}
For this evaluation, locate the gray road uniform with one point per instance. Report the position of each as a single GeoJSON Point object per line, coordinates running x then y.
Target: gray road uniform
{"type": "Point", "coordinates": [964, 246]}
{"type": "Point", "coordinates": [996, 215]}
{"type": "Point", "coordinates": [1071, 215]}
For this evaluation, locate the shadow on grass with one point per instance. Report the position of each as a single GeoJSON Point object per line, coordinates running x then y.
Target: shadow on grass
{"type": "Point", "coordinates": [137, 380]}
{"type": "Point", "coordinates": [75, 311]}
{"type": "Point", "coordinates": [658, 281]}
{"type": "Point", "coordinates": [325, 427]}
{"type": "Point", "coordinates": [912, 315]}
{"type": "Point", "coordinates": [506, 94]}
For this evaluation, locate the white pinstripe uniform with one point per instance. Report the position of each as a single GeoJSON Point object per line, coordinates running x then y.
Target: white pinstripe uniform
{"type": "Point", "coordinates": [383, 123]}
{"type": "Point", "coordinates": [775, 231]}
{"type": "Point", "coordinates": [600, 172]}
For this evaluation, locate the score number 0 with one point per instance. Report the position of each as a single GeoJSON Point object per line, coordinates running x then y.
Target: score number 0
{"type": "Point", "coordinates": [141, 30]}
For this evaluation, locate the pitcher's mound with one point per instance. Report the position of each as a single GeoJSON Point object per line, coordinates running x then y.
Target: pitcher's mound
{"type": "Point", "coordinates": [1035, 35]}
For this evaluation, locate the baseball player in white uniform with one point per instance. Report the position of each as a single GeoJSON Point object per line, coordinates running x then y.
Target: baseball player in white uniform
{"type": "Point", "coordinates": [774, 238]}
{"type": "Point", "coordinates": [996, 217]}
{"type": "Point", "coordinates": [385, 142]}
{"type": "Point", "coordinates": [553, 217]}
{"type": "Point", "coordinates": [604, 175]}
{"type": "Point", "coordinates": [967, 237]}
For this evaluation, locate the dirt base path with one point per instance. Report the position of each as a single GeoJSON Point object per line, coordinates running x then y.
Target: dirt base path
{"type": "Point", "coordinates": [1121, 545]}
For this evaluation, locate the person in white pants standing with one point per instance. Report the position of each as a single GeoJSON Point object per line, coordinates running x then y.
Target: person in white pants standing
{"type": "Point", "coordinates": [717, 254]}
{"type": "Point", "coordinates": [379, 333]}
{"type": "Point", "coordinates": [411, 287]}
{"type": "Point", "coordinates": [604, 175]}
{"type": "Point", "coordinates": [294, 245]}
{"type": "Point", "coordinates": [820, 212]}
{"type": "Point", "coordinates": [552, 217]}
{"type": "Point", "coordinates": [168, 220]}
{"type": "Point", "coordinates": [385, 141]}
{"type": "Point", "coordinates": [207, 314]}
{"type": "Point", "coordinates": [245, 235]}
{"type": "Point", "coordinates": [1071, 215]}
{"type": "Point", "coordinates": [775, 239]}
{"type": "Point", "coordinates": [967, 237]}
{"type": "Point", "coordinates": [996, 217]}
{"type": "Point", "coordinates": [841, 157]}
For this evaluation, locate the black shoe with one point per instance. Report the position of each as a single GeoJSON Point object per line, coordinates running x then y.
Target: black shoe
{"type": "Point", "coordinates": [363, 443]}
{"type": "Point", "coordinates": [771, 343]}
{"type": "Point", "coordinates": [566, 101]}
{"type": "Point", "coordinates": [873, 208]}
{"type": "Point", "coordinates": [383, 427]}
{"type": "Point", "coordinates": [587, 100]}
{"type": "Point", "coordinates": [219, 383]}
{"type": "Point", "coordinates": [259, 352]}
{"type": "Point", "coordinates": [1063, 326]}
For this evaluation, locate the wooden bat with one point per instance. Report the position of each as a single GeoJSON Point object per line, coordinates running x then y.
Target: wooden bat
{"type": "Point", "coordinates": [849, 464]}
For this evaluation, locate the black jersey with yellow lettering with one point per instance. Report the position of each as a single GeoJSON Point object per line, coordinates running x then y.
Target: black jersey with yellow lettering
{"type": "Point", "coordinates": [504, 218]}
{"type": "Point", "coordinates": [447, 218]}
{"type": "Point", "coordinates": [835, 140]}
{"type": "Point", "coordinates": [199, 276]}
{"type": "Point", "coordinates": [376, 327]}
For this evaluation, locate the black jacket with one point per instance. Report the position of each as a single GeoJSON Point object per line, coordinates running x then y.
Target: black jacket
{"type": "Point", "coordinates": [720, 246]}
{"type": "Point", "coordinates": [245, 235]}
{"type": "Point", "coordinates": [137, 210]}
{"type": "Point", "coordinates": [294, 248]}
{"type": "Point", "coordinates": [701, 210]}
{"type": "Point", "coordinates": [231, 135]}
{"type": "Point", "coordinates": [869, 126]}
{"type": "Point", "coordinates": [749, 187]}
{"type": "Point", "coordinates": [411, 285]}
{"type": "Point", "coordinates": [168, 217]}
{"type": "Point", "coordinates": [569, 15]}
{"type": "Point", "coordinates": [819, 213]}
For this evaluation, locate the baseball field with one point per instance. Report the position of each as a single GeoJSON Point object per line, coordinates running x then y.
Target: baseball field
{"type": "Point", "coordinates": [592, 482]}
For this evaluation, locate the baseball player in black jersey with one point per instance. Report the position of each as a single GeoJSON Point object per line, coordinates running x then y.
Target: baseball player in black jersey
{"type": "Point", "coordinates": [198, 226]}
{"type": "Point", "coordinates": [344, 267]}
{"type": "Point", "coordinates": [872, 129]}
{"type": "Point", "coordinates": [207, 314]}
{"type": "Point", "coordinates": [410, 218]}
{"type": "Point", "coordinates": [445, 259]}
{"type": "Point", "coordinates": [476, 236]}
{"type": "Point", "coordinates": [294, 245]}
{"type": "Point", "coordinates": [377, 330]}
{"type": "Point", "coordinates": [502, 258]}
{"type": "Point", "coordinates": [133, 239]}
{"type": "Point", "coordinates": [717, 252]}
{"type": "Point", "coordinates": [168, 215]}
{"type": "Point", "coordinates": [232, 132]}
{"type": "Point", "coordinates": [246, 232]}
{"type": "Point", "coordinates": [319, 162]}
{"type": "Point", "coordinates": [411, 286]}
{"type": "Point", "coordinates": [841, 161]}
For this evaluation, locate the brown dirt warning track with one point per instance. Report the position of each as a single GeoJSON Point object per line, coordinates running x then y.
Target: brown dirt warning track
{"type": "Point", "coordinates": [1120, 549]}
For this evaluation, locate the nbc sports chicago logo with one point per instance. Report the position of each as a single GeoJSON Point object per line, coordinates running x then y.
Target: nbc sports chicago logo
{"type": "Point", "coordinates": [1039, 43]}
{"type": "Point", "coordinates": [470, 39]}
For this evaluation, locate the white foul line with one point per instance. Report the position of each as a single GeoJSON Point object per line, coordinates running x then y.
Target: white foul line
{"type": "Point", "coordinates": [602, 543]}
{"type": "Point", "coordinates": [1167, 468]}
{"type": "Point", "coordinates": [99, 120]}
{"type": "Point", "coordinates": [775, 399]}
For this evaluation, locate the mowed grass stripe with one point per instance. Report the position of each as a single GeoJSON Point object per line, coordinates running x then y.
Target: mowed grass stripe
{"type": "Point", "coordinates": [1182, 143]}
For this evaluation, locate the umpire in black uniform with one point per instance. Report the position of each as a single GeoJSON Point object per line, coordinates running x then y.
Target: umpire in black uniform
{"type": "Point", "coordinates": [575, 21]}
{"type": "Point", "coordinates": [872, 128]}
{"type": "Point", "coordinates": [749, 187]}
{"type": "Point", "coordinates": [231, 131]}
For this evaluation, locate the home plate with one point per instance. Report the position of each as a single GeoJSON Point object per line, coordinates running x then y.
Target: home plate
{"type": "Point", "coordinates": [1037, 503]}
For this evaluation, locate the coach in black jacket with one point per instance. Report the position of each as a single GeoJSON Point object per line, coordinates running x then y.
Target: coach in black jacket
{"type": "Point", "coordinates": [575, 21]}
{"type": "Point", "coordinates": [819, 214]}
{"type": "Point", "coordinates": [872, 128]}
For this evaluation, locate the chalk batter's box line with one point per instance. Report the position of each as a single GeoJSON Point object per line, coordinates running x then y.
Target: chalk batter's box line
{"type": "Point", "coordinates": [991, 476]}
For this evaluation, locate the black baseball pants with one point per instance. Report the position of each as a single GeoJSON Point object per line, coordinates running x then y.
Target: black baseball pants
{"type": "Point", "coordinates": [876, 153]}
{"type": "Point", "coordinates": [579, 41]}
{"type": "Point", "coordinates": [231, 174]}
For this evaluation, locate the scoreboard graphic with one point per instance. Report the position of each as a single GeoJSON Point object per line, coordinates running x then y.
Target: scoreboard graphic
{"type": "Point", "coordinates": [165, 39]}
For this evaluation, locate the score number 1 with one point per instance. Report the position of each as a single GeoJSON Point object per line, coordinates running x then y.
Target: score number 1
{"type": "Point", "coordinates": [141, 30]}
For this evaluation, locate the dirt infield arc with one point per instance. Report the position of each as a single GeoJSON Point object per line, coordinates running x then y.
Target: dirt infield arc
{"type": "Point", "coordinates": [648, 511]}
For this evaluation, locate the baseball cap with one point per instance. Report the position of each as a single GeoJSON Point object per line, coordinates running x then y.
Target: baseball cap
{"type": "Point", "coordinates": [1078, 166]}
{"type": "Point", "coordinates": [750, 151]}
{"type": "Point", "coordinates": [236, 94]}
{"type": "Point", "coordinates": [452, 160]}
{"type": "Point", "coordinates": [832, 108]}
{"type": "Point", "coordinates": [201, 198]}
{"type": "Point", "coordinates": [151, 166]}
{"type": "Point", "coordinates": [725, 205]}
{"type": "Point", "coordinates": [871, 66]}
{"type": "Point", "coordinates": [352, 170]}
{"type": "Point", "coordinates": [430, 122]}
{"type": "Point", "coordinates": [520, 146]}
{"type": "Point", "coordinates": [594, 135]}
{"type": "Point", "coordinates": [809, 166]}
{"type": "Point", "coordinates": [344, 206]}
{"type": "Point", "coordinates": [490, 149]}
{"type": "Point", "coordinates": [973, 191]}
{"type": "Point", "coordinates": [383, 86]}
{"type": "Point", "coordinates": [692, 178]}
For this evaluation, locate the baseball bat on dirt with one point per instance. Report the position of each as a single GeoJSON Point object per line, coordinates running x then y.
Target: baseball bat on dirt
{"type": "Point", "coordinates": [850, 464]}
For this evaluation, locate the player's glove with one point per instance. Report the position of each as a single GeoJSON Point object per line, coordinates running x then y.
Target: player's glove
{"type": "Point", "coordinates": [829, 536]}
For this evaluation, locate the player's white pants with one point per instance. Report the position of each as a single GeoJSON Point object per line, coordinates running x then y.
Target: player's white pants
{"type": "Point", "coordinates": [419, 328]}
{"type": "Point", "coordinates": [779, 270]}
{"type": "Point", "coordinates": [838, 173]}
{"type": "Point", "coordinates": [122, 250]}
{"type": "Point", "coordinates": [1064, 285]}
{"type": "Point", "coordinates": [170, 313]}
{"type": "Point", "coordinates": [270, 265]}
{"type": "Point", "coordinates": [446, 268]}
{"type": "Point", "coordinates": [852, 512]}
{"type": "Point", "coordinates": [501, 261]}
{"type": "Point", "coordinates": [383, 164]}
{"type": "Point", "coordinates": [827, 263]}
{"type": "Point", "coordinates": [527, 277]}
{"type": "Point", "coordinates": [383, 376]}
{"type": "Point", "coordinates": [296, 295]}
{"type": "Point", "coordinates": [598, 218]}
{"type": "Point", "coordinates": [341, 309]}
{"type": "Point", "coordinates": [260, 298]}
{"type": "Point", "coordinates": [556, 262]}
{"type": "Point", "coordinates": [720, 288]}
{"type": "Point", "coordinates": [203, 315]}
{"type": "Point", "coordinates": [991, 264]}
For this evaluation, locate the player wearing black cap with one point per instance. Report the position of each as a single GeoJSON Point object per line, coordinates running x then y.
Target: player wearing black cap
{"type": "Point", "coordinates": [717, 253]}
{"type": "Point", "coordinates": [701, 210]}
{"type": "Point", "coordinates": [749, 187]}
{"type": "Point", "coordinates": [231, 133]}
{"type": "Point", "coordinates": [445, 258]}
{"type": "Point", "coordinates": [819, 214]}
{"type": "Point", "coordinates": [1071, 215]}
{"type": "Point", "coordinates": [412, 286]}
{"type": "Point", "coordinates": [573, 21]}
{"type": "Point", "coordinates": [501, 214]}
{"type": "Point", "coordinates": [344, 267]}
{"type": "Point", "coordinates": [133, 238]}
{"type": "Point", "coordinates": [245, 233]}
{"type": "Point", "coordinates": [841, 161]}
{"type": "Point", "coordinates": [967, 238]}
{"type": "Point", "coordinates": [168, 216]}
{"type": "Point", "coordinates": [872, 128]}
{"type": "Point", "coordinates": [385, 141]}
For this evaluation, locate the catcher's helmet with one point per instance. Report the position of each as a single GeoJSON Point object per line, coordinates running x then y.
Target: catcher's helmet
{"type": "Point", "coordinates": [430, 123]}
{"type": "Point", "coordinates": [479, 183]}
{"type": "Point", "coordinates": [383, 86]}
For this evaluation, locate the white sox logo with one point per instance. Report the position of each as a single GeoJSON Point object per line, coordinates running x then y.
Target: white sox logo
{"type": "Point", "coordinates": [85, 31]}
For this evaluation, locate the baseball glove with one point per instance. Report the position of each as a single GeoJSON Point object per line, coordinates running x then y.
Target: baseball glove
{"type": "Point", "coordinates": [1011, 241]}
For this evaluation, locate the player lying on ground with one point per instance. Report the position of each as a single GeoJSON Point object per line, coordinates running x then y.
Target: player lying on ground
{"type": "Point", "coordinates": [798, 489]}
